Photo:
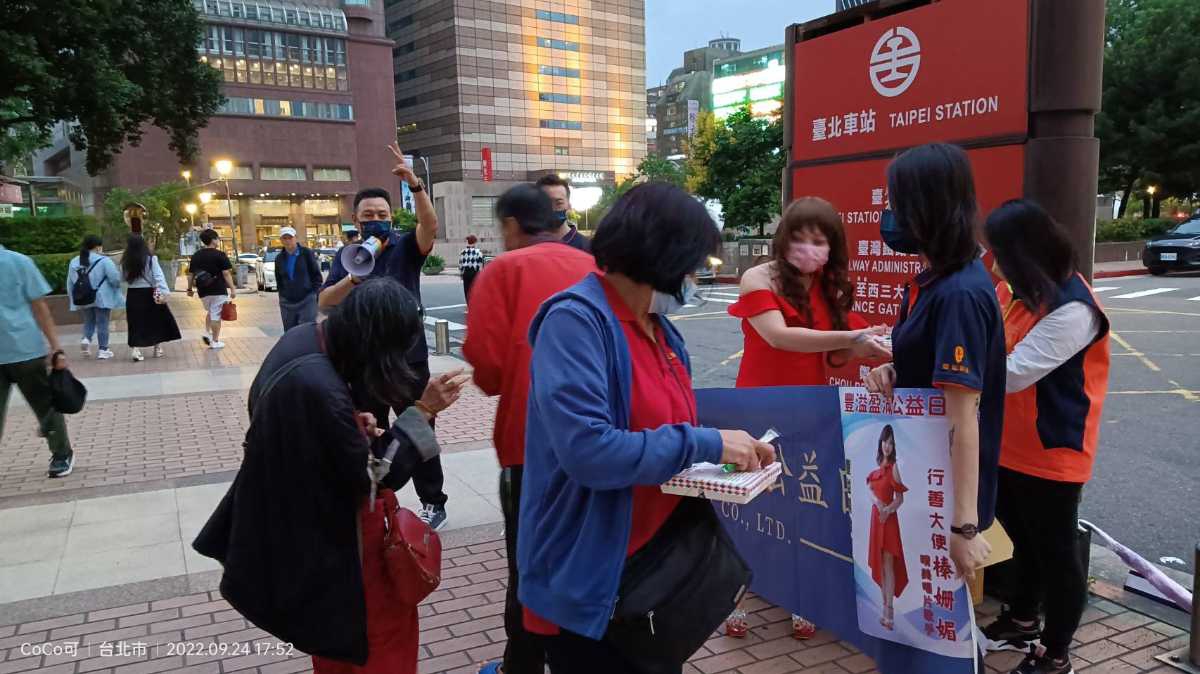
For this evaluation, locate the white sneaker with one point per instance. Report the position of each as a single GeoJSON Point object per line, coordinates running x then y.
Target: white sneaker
{"type": "Point", "coordinates": [137, 356]}
{"type": "Point", "coordinates": [158, 352]}
{"type": "Point", "coordinates": [104, 354]}
{"type": "Point", "coordinates": [217, 345]}
{"type": "Point", "coordinates": [85, 346]}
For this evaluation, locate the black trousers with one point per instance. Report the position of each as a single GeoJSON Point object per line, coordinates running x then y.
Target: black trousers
{"type": "Point", "coordinates": [468, 279]}
{"type": "Point", "coordinates": [428, 478]}
{"type": "Point", "coordinates": [569, 653]}
{"type": "Point", "coordinates": [1041, 517]}
{"type": "Point", "coordinates": [524, 653]}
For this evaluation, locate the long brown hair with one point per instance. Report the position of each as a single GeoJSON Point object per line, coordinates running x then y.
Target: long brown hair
{"type": "Point", "coordinates": [834, 277]}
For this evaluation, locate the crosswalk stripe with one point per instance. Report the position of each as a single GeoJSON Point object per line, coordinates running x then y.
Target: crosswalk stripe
{"type": "Point", "coordinates": [730, 295]}
{"type": "Point", "coordinates": [718, 299]}
{"type": "Point", "coordinates": [1101, 289]}
{"type": "Point", "coordinates": [1143, 293]}
{"type": "Point", "coordinates": [432, 322]}
{"type": "Point", "coordinates": [1194, 299]}
{"type": "Point", "coordinates": [460, 306]}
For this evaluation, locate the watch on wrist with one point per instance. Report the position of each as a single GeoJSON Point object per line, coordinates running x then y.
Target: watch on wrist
{"type": "Point", "coordinates": [419, 187]}
{"type": "Point", "coordinates": [967, 531]}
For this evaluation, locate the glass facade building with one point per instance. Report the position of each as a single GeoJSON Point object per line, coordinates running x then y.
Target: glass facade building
{"type": "Point", "coordinates": [754, 78]}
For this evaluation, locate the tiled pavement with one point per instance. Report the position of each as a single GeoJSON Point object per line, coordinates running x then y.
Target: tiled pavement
{"type": "Point", "coordinates": [462, 626]}
{"type": "Point", "coordinates": [133, 438]}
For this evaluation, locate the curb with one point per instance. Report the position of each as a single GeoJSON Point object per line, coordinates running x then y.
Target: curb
{"type": "Point", "coordinates": [1121, 273]}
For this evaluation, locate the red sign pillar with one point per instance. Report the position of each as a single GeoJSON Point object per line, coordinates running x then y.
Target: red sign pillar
{"type": "Point", "coordinates": [487, 164]}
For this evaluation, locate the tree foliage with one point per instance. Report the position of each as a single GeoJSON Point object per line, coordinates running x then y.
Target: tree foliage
{"type": "Point", "coordinates": [1149, 127]}
{"type": "Point", "coordinates": [166, 219]}
{"type": "Point", "coordinates": [740, 163]}
{"type": "Point", "coordinates": [652, 168]}
{"type": "Point", "coordinates": [107, 66]}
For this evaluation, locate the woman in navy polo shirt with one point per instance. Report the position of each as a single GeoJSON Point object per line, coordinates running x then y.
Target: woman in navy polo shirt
{"type": "Point", "coordinates": [950, 333]}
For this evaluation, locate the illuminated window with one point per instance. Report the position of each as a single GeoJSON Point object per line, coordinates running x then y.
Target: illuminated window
{"type": "Point", "coordinates": [569, 125]}
{"type": "Point", "coordinates": [558, 17]}
{"type": "Point", "coordinates": [558, 98]}
{"type": "Point", "coordinates": [556, 71]}
{"type": "Point", "coordinates": [332, 174]}
{"type": "Point", "coordinates": [550, 43]}
{"type": "Point", "coordinates": [283, 173]}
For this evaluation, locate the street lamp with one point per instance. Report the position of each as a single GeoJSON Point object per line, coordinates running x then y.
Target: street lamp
{"type": "Point", "coordinates": [224, 168]}
{"type": "Point", "coordinates": [187, 175]}
{"type": "Point", "coordinates": [1152, 212]}
{"type": "Point", "coordinates": [191, 211]}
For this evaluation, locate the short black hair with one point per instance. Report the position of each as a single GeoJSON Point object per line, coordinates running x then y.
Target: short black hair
{"type": "Point", "coordinates": [208, 236]}
{"type": "Point", "coordinates": [554, 180]}
{"type": "Point", "coordinates": [655, 234]}
{"type": "Point", "coordinates": [529, 206]}
{"type": "Point", "coordinates": [372, 193]}
{"type": "Point", "coordinates": [932, 191]}
{"type": "Point", "coordinates": [368, 336]}
{"type": "Point", "coordinates": [1032, 250]}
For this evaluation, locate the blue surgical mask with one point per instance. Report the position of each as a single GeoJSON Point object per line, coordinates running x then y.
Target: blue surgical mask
{"type": "Point", "coordinates": [560, 216]}
{"type": "Point", "coordinates": [377, 228]}
{"type": "Point", "coordinates": [898, 237]}
{"type": "Point", "coordinates": [665, 304]}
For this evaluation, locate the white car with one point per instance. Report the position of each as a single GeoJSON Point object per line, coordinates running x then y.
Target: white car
{"type": "Point", "coordinates": [264, 270]}
{"type": "Point", "coordinates": [248, 258]}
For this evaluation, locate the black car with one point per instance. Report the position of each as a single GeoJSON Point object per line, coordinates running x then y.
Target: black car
{"type": "Point", "coordinates": [1177, 250]}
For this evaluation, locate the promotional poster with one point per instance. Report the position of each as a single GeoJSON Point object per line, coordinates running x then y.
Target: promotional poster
{"type": "Point", "coordinates": [906, 589]}
{"type": "Point", "coordinates": [796, 536]}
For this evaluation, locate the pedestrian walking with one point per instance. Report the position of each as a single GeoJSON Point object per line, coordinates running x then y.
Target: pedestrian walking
{"type": "Point", "coordinates": [298, 277]}
{"type": "Point", "coordinates": [400, 256]}
{"type": "Point", "coordinates": [611, 417]}
{"type": "Point", "coordinates": [303, 555]}
{"type": "Point", "coordinates": [949, 333]}
{"type": "Point", "coordinates": [94, 290]}
{"type": "Point", "coordinates": [559, 191]}
{"type": "Point", "coordinates": [149, 321]}
{"type": "Point", "coordinates": [211, 274]}
{"type": "Point", "coordinates": [796, 320]}
{"type": "Point", "coordinates": [509, 292]}
{"type": "Point", "coordinates": [1056, 335]}
{"type": "Point", "coordinates": [28, 344]}
{"type": "Point", "coordinates": [470, 262]}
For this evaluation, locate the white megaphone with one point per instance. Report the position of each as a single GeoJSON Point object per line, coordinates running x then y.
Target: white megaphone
{"type": "Point", "coordinates": [359, 258]}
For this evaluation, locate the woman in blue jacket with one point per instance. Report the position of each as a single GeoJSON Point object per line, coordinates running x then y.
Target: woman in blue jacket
{"type": "Point", "coordinates": [105, 279]}
{"type": "Point", "coordinates": [611, 417]}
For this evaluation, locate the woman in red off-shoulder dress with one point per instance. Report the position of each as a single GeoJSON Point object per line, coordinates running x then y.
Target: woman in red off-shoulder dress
{"type": "Point", "coordinates": [886, 550]}
{"type": "Point", "coordinates": [796, 319]}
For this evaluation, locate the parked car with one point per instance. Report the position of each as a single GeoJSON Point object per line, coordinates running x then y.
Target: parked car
{"type": "Point", "coordinates": [248, 258]}
{"type": "Point", "coordinates": [264, 269]}
{"type": "Point", "coordinates": [1177, 250]}
{"type": "Point", "coordinates": [325, 255]}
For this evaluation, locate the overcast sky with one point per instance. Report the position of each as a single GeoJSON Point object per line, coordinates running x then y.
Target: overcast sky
{"type": "Point", "coordinates": [674, 26]}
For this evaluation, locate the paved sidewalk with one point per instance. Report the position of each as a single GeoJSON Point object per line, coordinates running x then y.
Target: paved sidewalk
{"type": "Point", "coordinates": [102, 559]}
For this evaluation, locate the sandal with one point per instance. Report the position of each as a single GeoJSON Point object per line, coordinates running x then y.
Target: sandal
{"type": "Point", "coordinates": [735, 625]}
{"type": "Point", "coordinates": [802, 629]}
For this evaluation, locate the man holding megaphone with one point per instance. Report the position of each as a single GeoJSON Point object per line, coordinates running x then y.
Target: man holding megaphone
{"type": "Point", "coordinates": [382, 252]}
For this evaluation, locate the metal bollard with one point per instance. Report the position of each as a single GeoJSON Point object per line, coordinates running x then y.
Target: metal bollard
{"type": "Point", "coordinates": [441, 337]}
{"type": "Point", "coordinates": [1188, 659]}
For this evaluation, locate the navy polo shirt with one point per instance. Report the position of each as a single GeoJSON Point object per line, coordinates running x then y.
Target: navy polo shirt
{"type": "Point", "coordinates": [401, 260]}
{"type": "Point", "coordinates": [951, 332]}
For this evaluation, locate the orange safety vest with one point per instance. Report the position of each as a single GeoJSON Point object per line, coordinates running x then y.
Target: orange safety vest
{"type": "Point", "coordinates": [1051, 428]}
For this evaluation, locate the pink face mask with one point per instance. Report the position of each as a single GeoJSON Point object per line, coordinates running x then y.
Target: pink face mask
{"type": "Point", "coordinates": [807, 257]}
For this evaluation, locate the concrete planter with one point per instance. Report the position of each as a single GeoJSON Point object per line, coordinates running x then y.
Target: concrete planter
{"type": "Point", "coordinates": [1119, 251]}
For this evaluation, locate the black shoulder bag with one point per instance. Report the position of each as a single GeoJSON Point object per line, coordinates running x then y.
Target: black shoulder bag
{"type": "Point", "coordinates": [677, 590]}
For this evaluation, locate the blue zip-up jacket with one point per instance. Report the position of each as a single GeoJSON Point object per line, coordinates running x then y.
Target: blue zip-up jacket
{"type": "Point", "coordinates": [582, 462]}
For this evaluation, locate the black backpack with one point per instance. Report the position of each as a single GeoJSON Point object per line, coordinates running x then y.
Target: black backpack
{"type": "Point", "coordinates": [82, 292]}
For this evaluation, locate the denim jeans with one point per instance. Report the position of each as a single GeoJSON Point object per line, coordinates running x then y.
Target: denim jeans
{"type": "Point", "coordinates": [95, 321]}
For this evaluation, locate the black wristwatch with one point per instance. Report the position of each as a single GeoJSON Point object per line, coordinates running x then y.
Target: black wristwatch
{"type": "Point", "coordinates": [419, 187]}
{"type": "Point", "coordinates": [967, 531]}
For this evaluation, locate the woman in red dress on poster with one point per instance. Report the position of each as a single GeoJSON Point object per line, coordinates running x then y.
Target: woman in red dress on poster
{"type": "Point", "coordinates": [886, 549]}
{"type": "Point", "coordinates": [796, 318]}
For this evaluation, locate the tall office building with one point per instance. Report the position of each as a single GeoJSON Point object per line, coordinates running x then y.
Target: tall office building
{"type": "Point", "coordinates": [305, 124]}
{"type": "Point", "coordinates": [688, 92]}
{"type": "Point", "coordinates": [495, 92]}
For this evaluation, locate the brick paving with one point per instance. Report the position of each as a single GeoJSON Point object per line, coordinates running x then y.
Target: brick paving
{"type": "Point", "coordinates": [129, 441]}
{"type": "Point", "coordinates": [462, 626]}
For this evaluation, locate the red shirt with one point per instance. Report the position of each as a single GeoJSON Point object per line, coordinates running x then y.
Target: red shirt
{"type": "Point", "coordinates": [661, 393]}
{"type": "Point", "coordinates": [763, 364]}
{"type": "Point", "coordinates": [504, 300]}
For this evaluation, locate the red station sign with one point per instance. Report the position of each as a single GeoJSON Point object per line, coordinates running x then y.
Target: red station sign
{"type": "Point", "coordinates": [952, 71]}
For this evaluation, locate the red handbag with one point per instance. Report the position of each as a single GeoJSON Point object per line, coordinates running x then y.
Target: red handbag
{"type": "Point", "coordinates": [229, 311]}
{"type": "Point", "coordinates": [412, 552]}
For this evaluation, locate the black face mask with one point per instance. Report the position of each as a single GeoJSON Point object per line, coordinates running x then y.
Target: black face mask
{"type": "Point", "coordinates": [896, 235]}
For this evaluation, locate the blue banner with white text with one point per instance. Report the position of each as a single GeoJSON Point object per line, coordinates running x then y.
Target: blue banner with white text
{"type": "Point", "coordinates": [849, 536]}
